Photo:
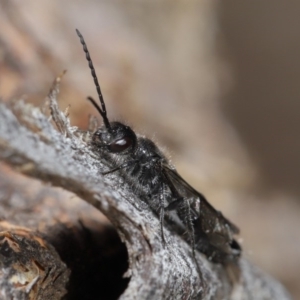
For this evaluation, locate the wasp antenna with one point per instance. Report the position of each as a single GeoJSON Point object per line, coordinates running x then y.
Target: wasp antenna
{"type": "Point", "coordinates": [101, 110]}
{"type": "Point", "coordinates": [96, 105]}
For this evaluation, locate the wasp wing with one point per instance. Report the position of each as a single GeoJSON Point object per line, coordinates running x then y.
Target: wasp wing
{"type": "Point", "coordinates": [207, 221]}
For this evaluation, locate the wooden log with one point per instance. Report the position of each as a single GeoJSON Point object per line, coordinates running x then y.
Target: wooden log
{"type": "Point", "coordinates": [31, 145]}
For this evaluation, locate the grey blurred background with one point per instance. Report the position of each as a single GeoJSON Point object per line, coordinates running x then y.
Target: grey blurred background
{"type": "Point", "coordinates": [215, 83]}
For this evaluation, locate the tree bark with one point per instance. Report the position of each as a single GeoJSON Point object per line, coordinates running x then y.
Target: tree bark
{"type": "Point", "coordinates": [31, 145]}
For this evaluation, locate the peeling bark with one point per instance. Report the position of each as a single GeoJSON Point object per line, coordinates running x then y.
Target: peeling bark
{"type": "Point", "coordinates": [30, 144]}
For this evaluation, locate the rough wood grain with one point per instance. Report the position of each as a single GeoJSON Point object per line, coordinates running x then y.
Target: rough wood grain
{"type": "Point", "coordinates": [30, 143]}
{"type": "Point", "coordinates": [83, 256]}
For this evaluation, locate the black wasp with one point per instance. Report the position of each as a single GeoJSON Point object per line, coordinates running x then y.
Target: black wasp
{"type": "Point", "coordinates": [148, 169]}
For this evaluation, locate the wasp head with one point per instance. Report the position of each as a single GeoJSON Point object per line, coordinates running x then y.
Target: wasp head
{"type": "Point", "coordinates": [118, 138]}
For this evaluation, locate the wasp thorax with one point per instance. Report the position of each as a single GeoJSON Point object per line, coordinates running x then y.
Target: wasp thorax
{"type": "Point", "coordinates": [119, 138]}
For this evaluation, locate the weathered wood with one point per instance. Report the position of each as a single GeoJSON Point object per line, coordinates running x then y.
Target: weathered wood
{"type": "Point", "coordinates": [30, 143]}
{"type": "Point", "coordinates": [86, 252]}
{"type": "Point", "coordinates": [25, 259]}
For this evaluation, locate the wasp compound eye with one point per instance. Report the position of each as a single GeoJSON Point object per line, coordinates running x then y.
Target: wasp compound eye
{"type": "Point", "coordinates": [121, 145]}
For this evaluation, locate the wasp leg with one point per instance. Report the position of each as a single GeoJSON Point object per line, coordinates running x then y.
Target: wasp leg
{"type": "Point", "coordinates": [162, 201]}
{"type": "Point", "coordinates": [123, 166]}
{"type": "Point", "coordinates": [182, 206]}
{"type": "Point", "coordinates": [161, 219]}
